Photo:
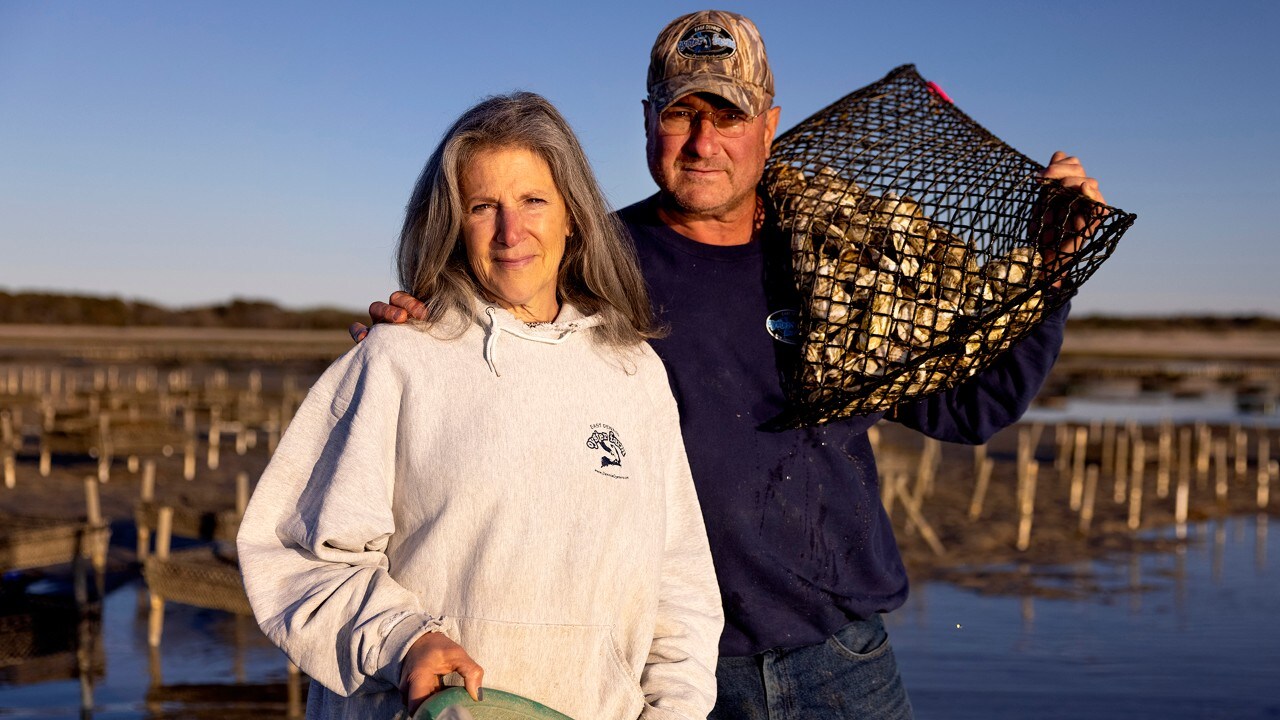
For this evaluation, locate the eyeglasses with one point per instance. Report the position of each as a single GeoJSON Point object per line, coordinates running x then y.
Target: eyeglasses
{"type": "Point", "coordinates": [729, 122]}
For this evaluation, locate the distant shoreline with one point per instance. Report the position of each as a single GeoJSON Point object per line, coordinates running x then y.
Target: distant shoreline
{"type": "Point", "coordinates": [1157, 342]}
{"type": "Point", "coordinates": [1249, 345]}
{"type": "Point", "coordinates": [36, 308]}
{"type": "Point", "coordinates": [64, 309]}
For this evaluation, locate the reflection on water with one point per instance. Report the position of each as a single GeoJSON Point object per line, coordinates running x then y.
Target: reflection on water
{"type": "Point", "coordinates": [1177, 636]}
{"type": "Point", "coordinates": [210, 664]}
{"type": "Point", "coordinates": [1190, 634]}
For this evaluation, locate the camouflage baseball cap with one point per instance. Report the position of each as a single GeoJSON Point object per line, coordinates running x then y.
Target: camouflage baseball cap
{"type": "Point", "coordinates": [711, 51]}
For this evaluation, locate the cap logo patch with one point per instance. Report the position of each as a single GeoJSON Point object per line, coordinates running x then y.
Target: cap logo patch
{"type": "Point", "coordinates": [707, 41]}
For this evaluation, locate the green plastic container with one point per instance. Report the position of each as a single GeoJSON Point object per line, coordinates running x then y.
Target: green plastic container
{"type": "Point", "coordinates": [497, 705]}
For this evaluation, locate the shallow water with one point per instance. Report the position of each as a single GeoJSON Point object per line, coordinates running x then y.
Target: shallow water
{"type": "Point", "coordinates": [1220, 406]}
{"type": "Point", "coordinates": [1194, 634]}
{"type": "Point", "coordinates": [211, 664]}
{"type": "Point", "coordinates": [1189, 635]}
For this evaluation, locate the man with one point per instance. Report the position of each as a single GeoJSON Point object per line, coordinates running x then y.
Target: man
{"type": "Point", "coordinates": [804, 552]}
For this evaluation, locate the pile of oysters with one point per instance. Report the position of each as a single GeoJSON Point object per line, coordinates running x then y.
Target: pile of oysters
{"type": "Point", "coordinates": [898, 305]}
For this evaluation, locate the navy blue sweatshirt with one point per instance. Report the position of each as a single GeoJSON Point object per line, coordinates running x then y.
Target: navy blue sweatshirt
{"type": "Point", "coordinates": [800, 540]}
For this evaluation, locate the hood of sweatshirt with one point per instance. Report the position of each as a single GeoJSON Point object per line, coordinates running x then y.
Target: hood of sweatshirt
{"type": "Point", "coordinates": [500, 323]}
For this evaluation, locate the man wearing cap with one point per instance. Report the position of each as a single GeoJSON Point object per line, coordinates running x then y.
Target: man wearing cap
{"type": "Point", "coordinates": [804, 552]}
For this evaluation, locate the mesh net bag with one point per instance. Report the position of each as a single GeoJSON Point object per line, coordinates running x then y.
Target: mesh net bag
{"type": "Point", "coordinates": [922, 247]}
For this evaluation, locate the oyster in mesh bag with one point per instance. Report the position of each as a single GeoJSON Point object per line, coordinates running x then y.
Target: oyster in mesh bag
{"type": "Point", "coordinates": [915, 240]}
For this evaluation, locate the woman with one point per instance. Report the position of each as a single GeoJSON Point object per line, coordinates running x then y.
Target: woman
{"type": "Point", "coordinates": [499, 494]}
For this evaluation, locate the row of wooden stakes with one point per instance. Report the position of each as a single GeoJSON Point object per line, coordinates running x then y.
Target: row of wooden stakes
{"type": "Point", "coordinates": [1089, 454]}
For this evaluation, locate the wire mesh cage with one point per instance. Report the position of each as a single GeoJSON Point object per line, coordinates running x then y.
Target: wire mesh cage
{"type": "Point", "coordinates": [922, 245]}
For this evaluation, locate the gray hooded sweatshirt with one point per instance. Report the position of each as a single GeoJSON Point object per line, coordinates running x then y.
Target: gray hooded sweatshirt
{"type": "Point", "coordinates": [522, 489]}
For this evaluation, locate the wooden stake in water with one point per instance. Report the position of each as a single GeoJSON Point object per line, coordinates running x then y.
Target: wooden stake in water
{"type": "Point", "coordinates": [1135, 484]}
{"type": "Point", "coordinates": [99, 536]}
{"type": "Point", "coordinates": [1220, 466]}
{"type": "Point", "coordinates": [164, 532]}
{"type": "Point", "coordinates": [92, 502]}
{"type": "Point", "coordinates": [1164, 461]}
{"type": "Point", "coordinates": [1024, 459]}
{"type": "Point", "coordinates": [1026, 503]}
{"type": "Point", "coordinates": [242, 493]}
{"type": "Point", "coordinates": [1108, 447]}
{"type": "Point", "coordinates": [104, 447]}
{"type": "Point", "coordinates": [1264, 482]}
{"type": "Point", "coordinates": [1122, 466]}
{"type": "Point", "coordinates": [1136, 431]}
{"type": "Point", "coordinates": [930, 456]}
{"type": "Point", "coordinates": [1264, 469]}
{"type": "Point", "coordinates": [1062, 442]}
{"type": "Point", "coordinates": [1180, 502]}
{"type": "Point", "coordinates": [1077, 466]}
{"type": "Point", "coordinates": [1184, 455]}
{"type": "Point", "coordinates": [980, 487]}
{"type": "Point", "coordinates": [1241, 454]}
{"type": "Point", "coordinates": [1204, 438]}
{"type": "Point", "coordinates": [148, 481]}
{"type": "Point", "coordinates": [189, 458]}
{"type": "Point", "coordinates": [915, 518]}
{"type": "Point", "coordinates": [1090, 495]}
{"type": "Point", "coordinates": [215, 437]}
{"type": "Point", "coordinates": [147, 496]}
{"type": "Point", "coordinates": [1026, 451]}
{"type": "Point", "coordinates": [1037, 429]}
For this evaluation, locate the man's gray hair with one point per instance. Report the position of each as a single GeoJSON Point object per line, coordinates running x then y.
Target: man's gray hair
{"type": "Point", "coordinates": [599, 272]}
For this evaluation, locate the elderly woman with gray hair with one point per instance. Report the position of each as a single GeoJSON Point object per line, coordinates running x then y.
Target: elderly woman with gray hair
{"type": "Point", "coordinates": [498, 495]}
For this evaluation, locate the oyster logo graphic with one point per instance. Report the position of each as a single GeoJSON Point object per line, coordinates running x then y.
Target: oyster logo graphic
{"type": "Point", "coordinates": [784, 326]}
{"type": "Point", "coordinates": [605, 439]}
{"type": "Point", "coordinates": [707, 41]}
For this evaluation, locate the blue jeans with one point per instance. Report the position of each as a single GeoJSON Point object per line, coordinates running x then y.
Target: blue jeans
{"type": "Point", "coordinates": [851, 676]}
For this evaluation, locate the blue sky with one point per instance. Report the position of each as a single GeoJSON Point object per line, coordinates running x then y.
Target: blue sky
{"type": "Point", "coordinates": [187, 153]}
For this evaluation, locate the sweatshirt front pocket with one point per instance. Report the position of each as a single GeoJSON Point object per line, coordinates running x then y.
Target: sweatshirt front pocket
{"type": "Point", "coordinates": [575, 669]}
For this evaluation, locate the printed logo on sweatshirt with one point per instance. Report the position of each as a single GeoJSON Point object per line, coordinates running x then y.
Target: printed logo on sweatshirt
{"type": "Point", "coordinates": [610, 450]}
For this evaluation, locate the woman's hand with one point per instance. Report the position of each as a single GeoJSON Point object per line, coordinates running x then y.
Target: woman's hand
{"type": "Point", "coordinates": [431, 657]}
{"type": "Point", "coordinates": [398, 309]}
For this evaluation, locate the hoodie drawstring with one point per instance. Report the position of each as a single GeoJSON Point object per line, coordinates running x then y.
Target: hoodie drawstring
{"type": "Point", "coordinates": [491, 342]}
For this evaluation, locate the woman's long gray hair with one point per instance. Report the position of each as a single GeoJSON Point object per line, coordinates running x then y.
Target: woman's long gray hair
{"type": "Point", "coordinates": [598, 274]}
